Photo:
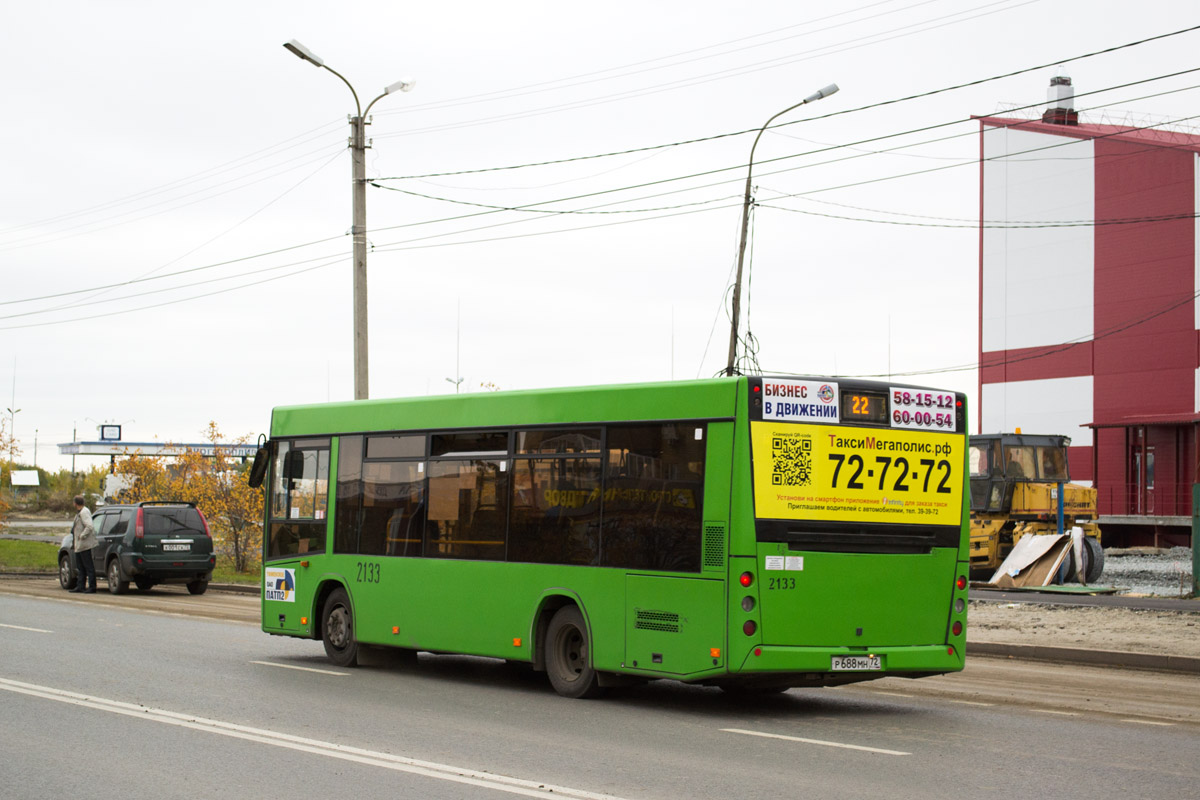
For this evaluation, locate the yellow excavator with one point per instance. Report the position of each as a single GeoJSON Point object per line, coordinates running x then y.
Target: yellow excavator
{"type": "Point", "coordinates": [1020, 486]}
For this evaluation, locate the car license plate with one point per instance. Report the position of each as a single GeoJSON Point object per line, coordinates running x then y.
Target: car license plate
{"type": "Point", "coordinates": [856, 663]}
{"type": "Point", "coordinates": [177, 546]}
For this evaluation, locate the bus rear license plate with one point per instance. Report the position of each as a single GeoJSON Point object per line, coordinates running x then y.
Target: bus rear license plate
{"type": "Point", "coordinates": [856, 663]}
{"type": "Point", "coordinates": [177, 547]}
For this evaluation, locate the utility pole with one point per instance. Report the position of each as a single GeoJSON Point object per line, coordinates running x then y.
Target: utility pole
{"type": "Point", "coordinates": [358, 192]}
{"type": "Point", "coordinates": [358, 166]}
{"type": "Point", "coordinates": [737, 286]}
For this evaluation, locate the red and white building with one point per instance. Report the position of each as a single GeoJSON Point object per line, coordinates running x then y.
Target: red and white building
{"type": "Point", "coordinates": [1089, 322]}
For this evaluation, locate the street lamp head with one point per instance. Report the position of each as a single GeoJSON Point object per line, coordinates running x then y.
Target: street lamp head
{"type": "Point", "coordinates": [817, 95]}
{"type": "Point", "coordinates": [303, 52]}
{"type": "Point", "coordinates": [402, 85]}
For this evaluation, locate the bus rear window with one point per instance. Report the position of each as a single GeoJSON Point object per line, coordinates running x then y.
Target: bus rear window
{"type": "Point", "coordinates": [171, 521]}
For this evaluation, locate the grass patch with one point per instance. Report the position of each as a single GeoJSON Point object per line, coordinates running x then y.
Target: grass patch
{"type": "Point", "coordinates": [18, 556]}
{"type": "Point", "coordinates": [224, 573]}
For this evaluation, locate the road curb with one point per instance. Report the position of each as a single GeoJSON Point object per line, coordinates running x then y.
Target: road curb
{"type": "Point", "coordinates": [1075, 655]}
{"type": "Point", "coordinates": [236, 588]}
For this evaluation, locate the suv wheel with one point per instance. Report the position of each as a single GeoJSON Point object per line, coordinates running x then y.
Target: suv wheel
{"type": "Point", "coordinates": [65, 578]}
{"type": "Point", "coordinates": [198, 587]}
{"type": "Point", "coordinates": [115, 584]}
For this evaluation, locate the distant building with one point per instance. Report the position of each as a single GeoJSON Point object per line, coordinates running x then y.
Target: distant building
{"type": "Point", "coordinates": [1089, 324]}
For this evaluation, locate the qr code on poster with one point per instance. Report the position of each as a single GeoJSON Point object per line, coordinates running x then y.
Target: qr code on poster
{"type": "Point", "coordinates": [791, 459]}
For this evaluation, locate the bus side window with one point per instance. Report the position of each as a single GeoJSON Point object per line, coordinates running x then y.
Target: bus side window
{"type": "Point", "coordinates": [468, 509]}
{"type": "Point", "coordinates": [653, 497]}
{"type": "Point", "coordinates": [555, 516]}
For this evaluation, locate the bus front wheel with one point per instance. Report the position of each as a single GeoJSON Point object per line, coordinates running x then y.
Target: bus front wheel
{"type": "Point", "coordinates": [338, 630]}
{"type": "Point", "coordinates": [568, 661]}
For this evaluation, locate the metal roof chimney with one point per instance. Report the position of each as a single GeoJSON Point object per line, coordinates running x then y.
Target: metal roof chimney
{"type": "Point", "coordinates": [1060, 99]}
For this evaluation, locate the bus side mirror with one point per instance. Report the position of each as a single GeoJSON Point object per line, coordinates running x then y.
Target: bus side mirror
{"type": "Point", "coordinates": [258, 470]}
{"type": "Point", "coordinates": [293, 465]}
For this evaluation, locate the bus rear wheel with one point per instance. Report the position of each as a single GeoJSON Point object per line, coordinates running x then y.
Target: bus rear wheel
{"type": "Point", "coordinates": [568, 655]}
{"type": "Point", "coordinates": [337, 630]}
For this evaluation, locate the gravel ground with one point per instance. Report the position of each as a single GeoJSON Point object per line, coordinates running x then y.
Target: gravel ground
{"type": "Point", "coordinates": [1165, 573]}
{"type": "Point", "coordinates": [1121, 629]}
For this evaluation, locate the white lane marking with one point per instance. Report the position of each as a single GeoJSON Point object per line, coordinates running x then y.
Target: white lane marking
{"type": "Point", "coordinates": [429, 769]}
{"type": "Point", "coordinates": [1150, 722]}
{"type": "Point", "coordinates": [302, 669]}
{"type": "Point", "coordinates": [971, 703]}
{"type": "Point", "coordinates": [889, 694]}
{"type": "Point", "coordinates": [23, 628]}
{"type": "Point", "coordinates": [1059, 713]}
{"type": "Point", "coordinates": [817, 741]}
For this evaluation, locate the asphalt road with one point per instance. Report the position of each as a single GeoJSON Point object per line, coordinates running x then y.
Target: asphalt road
{"type": "Point", "coordinates": [171, 695]}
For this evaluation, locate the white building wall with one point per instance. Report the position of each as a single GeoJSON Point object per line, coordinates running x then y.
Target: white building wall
{"type": "Point", "coordinates": [1051, 406]}
{"type": "Point", "coordinates": [1037, 282]}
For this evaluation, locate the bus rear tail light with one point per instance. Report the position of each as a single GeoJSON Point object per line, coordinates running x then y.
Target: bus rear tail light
{"type": "Point", "coordinates": [749, 627]}
{"type": "Point", "coordinates": [139, 525]}
{"type": "Point", "coordinates": [747, 579]}
{"type": "Point", "coordinates": [956, 629]}
{"type": "Point", "coordinates": [961, 583]}
{"type": "Point", "coordinates": [204, 522]}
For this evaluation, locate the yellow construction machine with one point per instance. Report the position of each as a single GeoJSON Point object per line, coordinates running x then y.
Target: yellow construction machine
{"type": "Point", "coordinates": [1020, 485]}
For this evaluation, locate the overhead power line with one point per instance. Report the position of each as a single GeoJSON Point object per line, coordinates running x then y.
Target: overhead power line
{"type": "Point", "coordinates": [625, 70]}
{"type": "Point", "coordinates": [165, 275]}
{"type": "Point", "coordinates": [539, 204]}
{"type": "Point", "coordinates": [179, 183]}
{"type": "Point", "coordinates": [829, 115]}
{"type": "Point", "coordinates": [1054, 350]}
{"type": "Point", "coordinates": [852, 44]}
{"type": "Point", "coordinates": [328, 263]}
{"type": "Point", "coordinates": [501, 209]}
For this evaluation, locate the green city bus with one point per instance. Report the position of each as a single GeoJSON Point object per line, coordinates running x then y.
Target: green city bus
{"type": "Point", "coordinates": [752, 533]}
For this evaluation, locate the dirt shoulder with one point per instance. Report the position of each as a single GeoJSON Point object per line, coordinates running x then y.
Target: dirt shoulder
{"type": "Point", "coordinates": [1085, 627]}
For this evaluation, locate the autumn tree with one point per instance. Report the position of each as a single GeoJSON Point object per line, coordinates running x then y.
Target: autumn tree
{"type": "Point", "coordinates": [9, 450]}
{"type": "Point", "coordinates": [216, 484]}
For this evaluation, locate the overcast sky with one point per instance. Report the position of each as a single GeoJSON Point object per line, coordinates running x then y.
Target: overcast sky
{"type": "Point", "coordinates": [174, 220]}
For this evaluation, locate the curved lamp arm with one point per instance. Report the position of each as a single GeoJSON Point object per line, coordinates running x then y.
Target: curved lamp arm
{"type": "Point", "coordinates": [737, 286]}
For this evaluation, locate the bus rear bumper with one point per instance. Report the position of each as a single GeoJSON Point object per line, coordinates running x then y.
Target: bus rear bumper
{"type": "Point", "coordinates": [893, 661]}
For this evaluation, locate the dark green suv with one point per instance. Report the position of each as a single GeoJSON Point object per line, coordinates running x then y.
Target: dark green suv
{"type": "Point", "coordinates": [146, 543]}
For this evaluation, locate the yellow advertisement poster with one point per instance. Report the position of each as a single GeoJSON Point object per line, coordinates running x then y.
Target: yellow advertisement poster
{"type": "Point", "coordinates": [843, 474]}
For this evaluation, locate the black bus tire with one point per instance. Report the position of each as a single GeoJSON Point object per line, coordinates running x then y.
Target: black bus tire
{"type": "Point", "coordinates": [568, 655]}
{"type": "Point", "coordinates": [337, 630]}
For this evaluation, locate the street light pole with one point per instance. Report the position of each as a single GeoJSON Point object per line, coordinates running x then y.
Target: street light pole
{"type": "Point", "coordinates": [358, 230]}
{"type": "Point", "coordinates": [737, 286]}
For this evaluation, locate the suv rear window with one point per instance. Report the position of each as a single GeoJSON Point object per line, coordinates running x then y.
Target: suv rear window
{"type": "Point", "coordinates": [172, 521]}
